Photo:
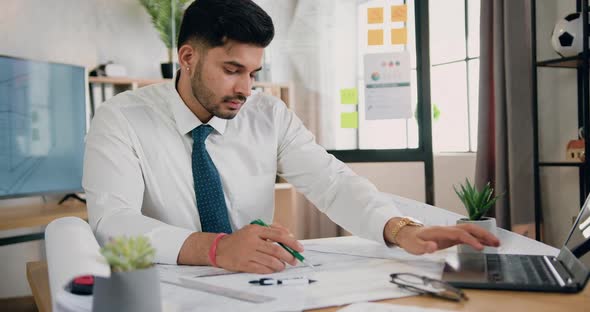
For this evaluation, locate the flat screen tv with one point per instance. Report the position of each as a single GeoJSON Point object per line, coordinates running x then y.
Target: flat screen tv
{"type": "Point", "coordinates": [42, 127]}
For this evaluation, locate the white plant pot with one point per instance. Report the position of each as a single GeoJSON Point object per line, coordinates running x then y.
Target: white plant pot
{"type": "Point", "coordinates": [488, 224]}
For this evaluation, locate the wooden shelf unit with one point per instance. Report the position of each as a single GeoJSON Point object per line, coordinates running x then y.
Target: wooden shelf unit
{"type": "Point", "coordinates": [564, 62]}
{"type": "Point", "coordinates": [284, 91]}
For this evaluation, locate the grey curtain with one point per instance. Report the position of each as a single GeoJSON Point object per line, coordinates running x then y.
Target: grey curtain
{"type": "Point", "coordinates": [505, 131]}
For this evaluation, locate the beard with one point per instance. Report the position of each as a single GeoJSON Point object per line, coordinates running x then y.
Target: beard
{"type": "Point", "coordinates": [208, 99]}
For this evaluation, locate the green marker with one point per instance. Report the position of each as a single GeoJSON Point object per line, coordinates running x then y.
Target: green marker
{"type": "Point", "coordinates": [295, 254]}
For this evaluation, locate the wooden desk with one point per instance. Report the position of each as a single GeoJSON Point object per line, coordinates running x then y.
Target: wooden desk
{"type": "Point", "coordinates": [479, 300]}
{"type": "Point", "coordinates": [39, 282]}
{"type": "Point", "coordinates": [494, 301]}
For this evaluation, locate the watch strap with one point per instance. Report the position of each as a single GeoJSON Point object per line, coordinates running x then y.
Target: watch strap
{"type": "Point", "coordinates": [403, 222]}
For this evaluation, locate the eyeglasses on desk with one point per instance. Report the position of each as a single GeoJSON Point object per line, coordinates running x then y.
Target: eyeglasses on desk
{"type": "Point", "coordinates": [427, 286]}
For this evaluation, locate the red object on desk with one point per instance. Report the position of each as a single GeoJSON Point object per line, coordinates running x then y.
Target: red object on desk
{"type": "Point", "coordinates": [84, 280]}
{"type": "Point", "coordinates": [82, 285]}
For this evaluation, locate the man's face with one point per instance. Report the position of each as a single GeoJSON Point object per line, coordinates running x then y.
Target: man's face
{"type": "Point", "coordinates": [222, 79]}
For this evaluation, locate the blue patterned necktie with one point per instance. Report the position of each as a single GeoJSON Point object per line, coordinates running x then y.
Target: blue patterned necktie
{"type": "Point", "coordinates": [208, 189]}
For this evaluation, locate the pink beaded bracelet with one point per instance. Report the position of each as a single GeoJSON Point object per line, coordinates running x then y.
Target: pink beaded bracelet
{"type": "Point", "coordinates": [213, 249]}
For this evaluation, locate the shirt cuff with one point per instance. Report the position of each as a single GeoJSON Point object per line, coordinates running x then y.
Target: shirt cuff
{"type": "Point", "coordinates": [167, 241]}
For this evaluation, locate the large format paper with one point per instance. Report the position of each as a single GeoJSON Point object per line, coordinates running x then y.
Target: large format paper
{"type": "Point", "coordinates": [385, 307]}
{"type": "Point", "coordinates": [72, 251]}
{"type": "Point", "coordinates": [347, 270]}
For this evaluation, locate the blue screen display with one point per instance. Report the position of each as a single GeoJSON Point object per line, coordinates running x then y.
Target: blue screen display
{"type": "Point", "coordinates": [42, 127]}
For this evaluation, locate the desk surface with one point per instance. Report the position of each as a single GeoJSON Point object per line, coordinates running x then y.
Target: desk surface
{"type": "Point", "coordinates": [479, 300]}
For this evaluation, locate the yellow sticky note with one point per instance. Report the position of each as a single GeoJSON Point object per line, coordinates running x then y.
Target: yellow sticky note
{"type": "Point", "coordinates": [375, 37]}
{"type": "Point", "coordinates": [399, 13]}
{"type": "Point", "coordinates": [375, 15]}
{"type": "Point", "coordinates": [349, 120]}
{"type": "Point", "coordinates": [348, 96]}
{"type": "Point", "coordinates": [399, 36]}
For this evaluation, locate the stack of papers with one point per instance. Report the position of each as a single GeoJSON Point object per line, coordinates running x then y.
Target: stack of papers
{"type": "Point", "coordinates": [384, 307]}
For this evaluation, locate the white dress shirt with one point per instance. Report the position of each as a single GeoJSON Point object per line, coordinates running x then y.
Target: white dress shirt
{"type": "Point", "coordinates": [138, 177]}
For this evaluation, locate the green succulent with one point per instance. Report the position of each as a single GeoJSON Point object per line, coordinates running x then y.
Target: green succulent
{"type": "Point", "coordinates": [127, 254]}
{"type": "Point", "coordinates": [161, 14]}
{"type": "Point", "coordinates": [477, 203]}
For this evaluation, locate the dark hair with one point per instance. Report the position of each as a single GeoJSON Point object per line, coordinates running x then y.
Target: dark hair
{"type": "Point", "coordinates": [213, 22]}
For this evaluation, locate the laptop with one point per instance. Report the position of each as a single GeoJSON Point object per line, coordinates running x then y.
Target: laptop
{"type": "Point", "coordinates": [568, 272]}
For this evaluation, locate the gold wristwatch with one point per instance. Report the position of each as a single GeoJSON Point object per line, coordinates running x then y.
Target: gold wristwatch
{"type": "Point", "coordinates": [404, 221]}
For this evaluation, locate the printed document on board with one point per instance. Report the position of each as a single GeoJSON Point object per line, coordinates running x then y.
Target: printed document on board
{"type": "Point", "coordinates": [387, 86]}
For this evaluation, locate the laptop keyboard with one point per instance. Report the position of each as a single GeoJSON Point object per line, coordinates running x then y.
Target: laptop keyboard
{"type": "Point", "coordinates": [518, 269]}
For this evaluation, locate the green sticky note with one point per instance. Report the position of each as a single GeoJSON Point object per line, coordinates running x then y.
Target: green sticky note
{"type": "Point", "coordinates": [349, 120]}
{"type": "Point", "coordinates": [348, 96]}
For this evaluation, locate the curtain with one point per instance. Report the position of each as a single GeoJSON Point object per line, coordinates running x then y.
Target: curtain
{"type": "Point", "coordinates": [505, 129]}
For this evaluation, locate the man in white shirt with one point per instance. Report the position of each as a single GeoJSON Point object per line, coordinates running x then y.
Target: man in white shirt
{"type": "Point", "coordinates": [148, 149]}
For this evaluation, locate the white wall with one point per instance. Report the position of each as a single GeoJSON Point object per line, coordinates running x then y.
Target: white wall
{"type": "Point", "coordinates": [82, 32]}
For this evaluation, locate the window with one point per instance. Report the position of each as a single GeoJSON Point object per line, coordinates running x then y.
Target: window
{"type": "Point", "coordinates": [327, 41]}
{"type": "Point", "coordinates": [387, 133]}
{"type": "Point", "coordinates": [454, 59]}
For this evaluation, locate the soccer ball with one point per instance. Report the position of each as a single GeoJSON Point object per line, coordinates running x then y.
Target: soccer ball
{"type": "Point", "coordinates": [567, 35]}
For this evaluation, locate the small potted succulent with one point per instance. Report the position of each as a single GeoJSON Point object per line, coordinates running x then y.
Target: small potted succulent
{"type": "Point", "coordinates": [134, 284]}
{"type": "Point", "coordinates": [477, 203]}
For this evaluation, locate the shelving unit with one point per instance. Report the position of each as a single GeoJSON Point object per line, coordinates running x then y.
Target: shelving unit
{"type": "Point", "coordinates": [580, 64]}
{"type": "Point", "coordinates": [121, 84]}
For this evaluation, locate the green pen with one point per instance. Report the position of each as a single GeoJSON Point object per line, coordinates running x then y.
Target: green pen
{"type": "Point", "coordinates": [295, 254]}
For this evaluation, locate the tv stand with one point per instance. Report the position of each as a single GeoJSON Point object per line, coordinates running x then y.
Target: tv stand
{"type": "Point", "coordinates": [71, 195]}
{"type": "Point", "coordinates": [30, 216]}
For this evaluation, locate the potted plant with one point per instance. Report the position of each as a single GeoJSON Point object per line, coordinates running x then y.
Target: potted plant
{"type": "Point", "coordinates": [477, 204]}
{"type": "Point", "coordinates": [161, 13]}
{"type": "Point", "coordinates": [134, 284]}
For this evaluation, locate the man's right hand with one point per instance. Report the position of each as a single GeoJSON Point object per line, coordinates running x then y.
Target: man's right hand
{"type": "Point", "coordinates": [253, 249]}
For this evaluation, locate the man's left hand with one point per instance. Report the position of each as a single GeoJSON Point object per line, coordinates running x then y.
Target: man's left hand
{"type": "Point", "coordinates": [421, 240]}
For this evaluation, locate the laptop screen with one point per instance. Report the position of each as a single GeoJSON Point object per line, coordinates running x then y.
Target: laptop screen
{"type": "Point", "coordinates": [578, 241]}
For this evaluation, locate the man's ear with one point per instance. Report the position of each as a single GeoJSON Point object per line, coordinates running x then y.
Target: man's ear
{"type": "Point", "coordinates": [188, 56]}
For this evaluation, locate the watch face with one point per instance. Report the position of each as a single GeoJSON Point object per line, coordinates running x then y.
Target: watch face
{"type": "Point", "coordinates": [414, 221]}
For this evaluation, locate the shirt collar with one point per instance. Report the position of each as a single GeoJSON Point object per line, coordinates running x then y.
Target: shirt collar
{"type": "Point", "coordinates": [186, 121]}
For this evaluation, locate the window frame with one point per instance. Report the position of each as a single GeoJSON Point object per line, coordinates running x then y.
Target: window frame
{"type": "Point", "coordinates": [423, 153]}
{"type": "Point", "coordinates": [467, 60]}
